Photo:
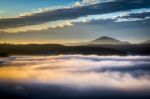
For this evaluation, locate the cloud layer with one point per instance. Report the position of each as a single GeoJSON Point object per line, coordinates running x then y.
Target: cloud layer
{"type": "Point", "coordinates": [73, 13]}
{"type": "Point", "coordinates": [75, 76]}
{"type": "Point", "coordinates": [126, 73]}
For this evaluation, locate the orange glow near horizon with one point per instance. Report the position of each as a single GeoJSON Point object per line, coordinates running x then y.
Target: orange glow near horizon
{"type": "Point", "coordinates": [75, 71]}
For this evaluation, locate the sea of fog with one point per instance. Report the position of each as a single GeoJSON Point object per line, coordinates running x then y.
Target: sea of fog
{"type": "Point", "coordinates": [75, 77]}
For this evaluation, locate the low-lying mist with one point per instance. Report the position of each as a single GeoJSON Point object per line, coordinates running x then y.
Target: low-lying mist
{"type": "Point", "coordinates": [79, 75]}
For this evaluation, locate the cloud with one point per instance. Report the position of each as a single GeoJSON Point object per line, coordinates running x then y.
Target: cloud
{"type": "Point", "coordinates": [71, 13]}
{"type": "Point", "coordinates": [41, 10]}
{"type": "Point", "coordinates": [80, 71]}
{"type": "Point", "coordinates": [122, 16]}
{"type": "Point", "coordinates": [45, 26]}
{"type": "Point", "coordinates": [90, 2]}
{"type": "Point", "coordinates": [130, 19]}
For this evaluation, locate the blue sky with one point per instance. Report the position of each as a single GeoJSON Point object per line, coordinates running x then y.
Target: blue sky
{"type": "Point", "coordinates": [15, 7]}
{"type": "Point", "coordinates": [65, 21]}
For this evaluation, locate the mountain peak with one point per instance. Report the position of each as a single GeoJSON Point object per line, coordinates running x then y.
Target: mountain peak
{"type": "Point", "coordinates": [107, 40]}
{"type": "Point", "coordinates": [104, 37]}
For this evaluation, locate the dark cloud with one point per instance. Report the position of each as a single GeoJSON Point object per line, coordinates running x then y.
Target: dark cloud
{"type": "Point", "coordinates": [75, 12]}
{"type": "Point", "coordinates": [137, 15]}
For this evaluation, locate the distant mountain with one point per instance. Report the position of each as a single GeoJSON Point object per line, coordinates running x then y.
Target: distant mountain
{"type": "Point", "coordinates": [146, 42]}
{"type": "Point", "coordinates": [102, 40]}
{"type": "Point", "coordinates": [107, 40]}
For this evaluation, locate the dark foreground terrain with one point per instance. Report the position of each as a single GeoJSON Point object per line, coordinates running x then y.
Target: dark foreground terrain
{"type": "Point", "coordinates": [56, 49]}
{"type": "Point", "coordinates": [130, 49]}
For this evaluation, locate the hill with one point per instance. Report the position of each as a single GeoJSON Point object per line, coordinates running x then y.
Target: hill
{"type": "Point", "coordinates": [107, 40]}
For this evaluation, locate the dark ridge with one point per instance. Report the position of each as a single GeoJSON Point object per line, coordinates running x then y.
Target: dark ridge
{"type": "Point", "coordinates": [130, 49]}
{"type": "Point", "coordinates": [55, 49]}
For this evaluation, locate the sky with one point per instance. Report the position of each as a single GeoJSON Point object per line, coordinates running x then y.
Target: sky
{"type": "Point", "coordinates": [70, 21]}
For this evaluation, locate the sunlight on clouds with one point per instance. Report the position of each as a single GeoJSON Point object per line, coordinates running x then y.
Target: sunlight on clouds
{"type": "Point", "coordinates": [63, 23]}
{"type": "Point", "coordinates": [131, 19]}
{"type": "Point", "coordinates": [43, 10]}
{"type": "Point", "coordinates": [116, 15]}
{"type": "Point", "coordinates": [90, 2]}
{"type": "Point", "coordinates": [79, 70]}
{"type": "Point", "coordinates": [55, 24]}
